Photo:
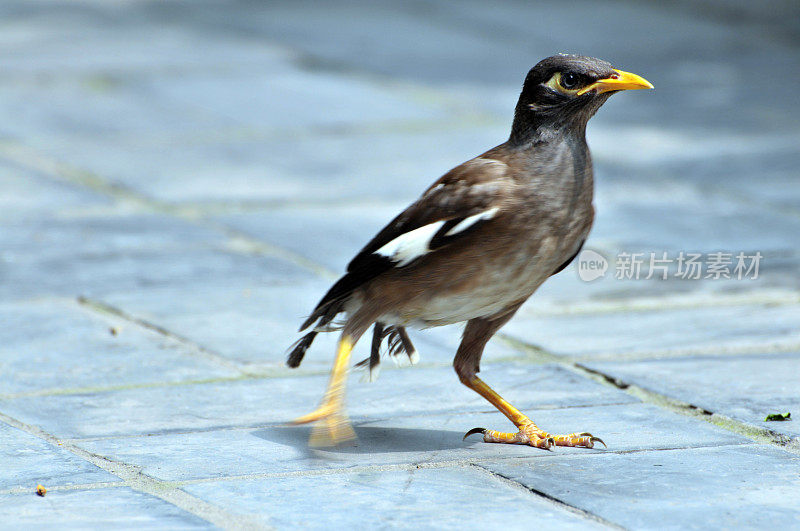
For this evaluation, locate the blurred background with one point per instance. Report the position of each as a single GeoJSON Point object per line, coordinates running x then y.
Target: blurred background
{"type": "Point", "coordinates": [210, 167]}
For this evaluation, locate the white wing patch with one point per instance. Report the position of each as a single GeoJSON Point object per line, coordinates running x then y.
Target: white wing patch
{"type": "Point", "coordinates": [409, 246]}
{"type": "Point", "coordinates": [470, 221]}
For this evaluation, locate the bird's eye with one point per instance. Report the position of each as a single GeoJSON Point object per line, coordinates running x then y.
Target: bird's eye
{"type": "Point", "coordinates": [569, 80]}
{"type": "Point", "coordinates": [566, 83]}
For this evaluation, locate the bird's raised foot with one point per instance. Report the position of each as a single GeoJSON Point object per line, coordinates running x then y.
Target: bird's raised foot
{"type": "Point", "coordinates": [331, 426]}
{"type": "Point", "coordinates": [531, 435]}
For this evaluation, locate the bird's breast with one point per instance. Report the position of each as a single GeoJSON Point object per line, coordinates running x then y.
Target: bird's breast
{"type": "Point", "coordinates": [485, 288]}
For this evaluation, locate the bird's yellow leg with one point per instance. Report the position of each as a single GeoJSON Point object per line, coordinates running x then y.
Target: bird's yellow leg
{"type": "Point", "coordinates": [529, 433]}
{"type": "Point", "coordinates": [332, 425]}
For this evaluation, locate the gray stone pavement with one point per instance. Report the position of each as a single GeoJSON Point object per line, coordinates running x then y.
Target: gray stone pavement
{"type": "Point", "coordinates": [181, 181]}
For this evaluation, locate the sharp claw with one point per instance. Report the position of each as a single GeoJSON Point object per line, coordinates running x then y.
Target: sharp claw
{"type": "Point", "coordinates": [585, 434]}
{"type": "Point", "coordinates": [597, 439]}
{"type": "Point", "coordinates": [473, 431]}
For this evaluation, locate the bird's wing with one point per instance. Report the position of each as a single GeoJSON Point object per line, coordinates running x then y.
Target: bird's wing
{"type": "Point", "coordinates": [464, 199]}
{"type": "Point", "coordinates": [461, 201]}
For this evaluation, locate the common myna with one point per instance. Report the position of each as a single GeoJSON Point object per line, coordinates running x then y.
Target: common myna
{"type": "Point", "coordinates": [476, 245]}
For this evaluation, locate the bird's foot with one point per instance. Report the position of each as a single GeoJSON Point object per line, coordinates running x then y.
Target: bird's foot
{"type": "Point", "coordinates": [531, 435]}
{"type": "Point", "coordinates": [331, 425]}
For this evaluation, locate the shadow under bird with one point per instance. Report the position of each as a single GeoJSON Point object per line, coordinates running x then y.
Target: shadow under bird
{"type": "Point", "coordinates": [475, 246]}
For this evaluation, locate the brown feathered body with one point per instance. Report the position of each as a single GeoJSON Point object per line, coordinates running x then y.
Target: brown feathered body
{"type": "Point", "coordinates": [487, 234]}
{"type": "Point", "coordinates": [540, 224]}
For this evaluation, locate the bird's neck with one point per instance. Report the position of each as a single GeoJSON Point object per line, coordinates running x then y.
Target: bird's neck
{"type": "Point", "coordinates": [528, 135]}
{"type": "Point", "coordinates": [560, 154]}
{"type": "Point", "coordinates": [531, 128]}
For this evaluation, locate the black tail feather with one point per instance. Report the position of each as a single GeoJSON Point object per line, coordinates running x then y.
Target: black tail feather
{"type": "Point", "coordinates": [408, 347]}
{"type": "Point", "coordinates": [333, 301]}
{"type": "Point", "coordinates": [378, 333]}
{"type": "Point", "coordinates": [394, 345]}
{"type": "Point", "coordinates": [299, 349]}
{"type": "Point", "coordinates": [375, 352]}
{"type": "Point", "coordinates": [325, 312]}
{"type": "Point", "coordinates": [397, 343]}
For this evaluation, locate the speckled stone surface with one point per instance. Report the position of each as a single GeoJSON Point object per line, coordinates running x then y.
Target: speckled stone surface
{"type": "Point", "coordinates": [181, 181]}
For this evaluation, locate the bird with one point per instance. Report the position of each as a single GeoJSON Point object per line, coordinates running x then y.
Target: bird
{"type": "Point", "coordinates": [474, 247]}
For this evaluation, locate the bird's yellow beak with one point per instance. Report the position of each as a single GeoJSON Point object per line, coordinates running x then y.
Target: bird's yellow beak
{"type": "Point", "coordinates": [618, 81]}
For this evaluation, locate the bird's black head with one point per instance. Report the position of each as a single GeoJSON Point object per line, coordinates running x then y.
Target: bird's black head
{"type": "Point", "coordinates": [563, 91]}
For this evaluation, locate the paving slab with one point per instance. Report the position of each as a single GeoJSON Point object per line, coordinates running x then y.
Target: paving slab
{"type": "Point", "coordinates": [697, 77]}
{"type": "Point", "coordinates": [295, 98]}
{"type": "Point", "coordinates": [27, 194]}
{"type": "Point", "coordinates": [614, 335]}
{"type": "Point", "coordinates": [728, 486]}
{"type": "Point", "coordinates": [399, 440]}
{"type": "Point", "coordinates": [277, 165]}
{"type": "Point", "coordinates": [688, 151]}
{"type": "Point", "coordinates": [407, 499]}
{"type": "Point", "coordinates": [322, 122]}
{"type": "Point", "coordinates": [29, 461]}
{"type": "Point", "coordinates": [120, 508]}
{"type": "Point", "coordinates": [249, 321]}
{"type": "Point", "coordinates": [677, 216]}
{"type": "Point", "coordinates": [150, 139]}
{"type": "Point", "coordinates": [472, 45]}
{"type": "Point", "coordinates": [58, 345]}
{"type": "Point", "coordinates": [46, 39]}
{"type": "Point", "coordinates": [746, 388]}
{"type": "Point", "coordinates": [94, 106]}
{"type": "Point", "coordinates": [96, 254]}
{"type": "Point", "coordinates": [254, 323]}
{"type": "Point", "coordinates": [775, 171]}
{"type": "Point", "coordinates": [274, 401]}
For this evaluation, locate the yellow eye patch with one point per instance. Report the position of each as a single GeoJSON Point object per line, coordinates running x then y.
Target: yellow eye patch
{"type": "Point", "coordinates": [555, 84]}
